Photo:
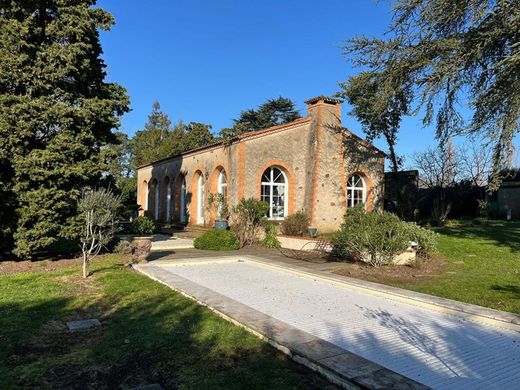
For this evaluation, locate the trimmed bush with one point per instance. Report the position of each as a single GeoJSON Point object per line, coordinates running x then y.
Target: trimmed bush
{"type": "Point", "coordinates": [375, 238]}
{"type": "Point", "coordinates": [143, 225]}
{"type": "Point", "coordinates": [270, 240]}
{"type": "Point", "coordinates": [295, 224]}
{"type": "Point", "coordinates": [217, 240]}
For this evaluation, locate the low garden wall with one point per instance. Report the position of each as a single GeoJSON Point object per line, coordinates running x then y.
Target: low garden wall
{"type": "Point", "coordinates": [300, 243]}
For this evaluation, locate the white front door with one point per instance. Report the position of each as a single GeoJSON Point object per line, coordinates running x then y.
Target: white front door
{"type": "Point", "coordinates": [200, 201]}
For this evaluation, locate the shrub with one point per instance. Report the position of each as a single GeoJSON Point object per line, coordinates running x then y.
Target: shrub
{"type": "Point", "coordinates": [122, 247]}
{"type": "Point", "coordinates": [270, 240]}
{"type": "Point", "coordinates": [248, 217]}
{"type": "Point", "coordinates": [375, 238]}
{"type": "Point", "coordinates": [143, 225]}
{"type": "Point", "coordinates": [296, 224]}
{"type": "Point", "coordinates": [217, 240]}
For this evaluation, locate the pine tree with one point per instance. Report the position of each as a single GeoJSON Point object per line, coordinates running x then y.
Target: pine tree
{"type": "Point", "coordinates": [271, 113]}
{"type": "Point", "coordinates": [56, 114]}
{"type": "Point", "coordinates": [158, 140]}
{"type": "Point", "coordinates": [197, 135]}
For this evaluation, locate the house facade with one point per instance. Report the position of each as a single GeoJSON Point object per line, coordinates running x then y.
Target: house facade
{"type": "Point", "coordinates": [312, 165]}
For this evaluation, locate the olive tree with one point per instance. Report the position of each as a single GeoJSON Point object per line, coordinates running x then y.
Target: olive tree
{"type": "Point", "coordinates": [100, 213]}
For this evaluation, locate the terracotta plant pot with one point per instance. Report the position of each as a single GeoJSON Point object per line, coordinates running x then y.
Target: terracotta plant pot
{"type": "Point", "coordinates": [141, 246]}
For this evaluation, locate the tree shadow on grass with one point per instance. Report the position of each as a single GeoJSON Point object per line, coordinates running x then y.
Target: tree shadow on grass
{"type": "Point", "coordinates": [502, 233]}
{"type": "Point", "coordinates": [149, 334]}
{"type": "Point", "coordinates": [510, 289]}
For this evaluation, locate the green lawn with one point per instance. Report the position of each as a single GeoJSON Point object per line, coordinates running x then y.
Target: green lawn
{"type": "Point", "coordinates": [149, 335]}
{"type": "Point", "coordinates": [490, 272]}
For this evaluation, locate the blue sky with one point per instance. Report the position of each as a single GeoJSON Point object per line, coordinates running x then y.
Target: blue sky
{"type": "Point", "coordinates": [206, 61]}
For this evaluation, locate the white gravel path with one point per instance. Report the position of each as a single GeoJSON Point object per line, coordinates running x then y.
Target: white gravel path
{"type": "Point", "coordinates": [439, 350]}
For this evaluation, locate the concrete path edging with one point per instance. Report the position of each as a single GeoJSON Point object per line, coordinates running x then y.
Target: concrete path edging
{"type": "Point", "coordinates": [338, 365]}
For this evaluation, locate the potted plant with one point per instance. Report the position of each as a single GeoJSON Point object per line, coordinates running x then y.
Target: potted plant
{"type": "Point", "coordinates": [143, 228]}
{"type": "Point", "coordinates": [218, 203]}
{"type": "Point", "coordinates": [313, 232]}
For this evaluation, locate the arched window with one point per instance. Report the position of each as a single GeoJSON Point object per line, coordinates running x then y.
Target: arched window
{"type": "Point", "coordinates": [274, 192]}
{"type": "Point", "coordinates": [222, 188]}
{"type": "Point", "coordinates": [356, 190]}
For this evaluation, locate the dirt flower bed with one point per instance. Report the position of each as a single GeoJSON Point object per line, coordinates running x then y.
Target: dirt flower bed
{"type": "Point", "coordinates": [426, 269]}
{"type": "Point", "coordinates": [48, 265]}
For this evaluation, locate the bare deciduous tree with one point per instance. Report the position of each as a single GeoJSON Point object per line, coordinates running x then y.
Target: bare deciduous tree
{"type": "Point", "coordinates": [475, 157]}
{"type": "Point", "coordinates": [438, 170]}
{"type": "Point", "coordinates": [100, 210]}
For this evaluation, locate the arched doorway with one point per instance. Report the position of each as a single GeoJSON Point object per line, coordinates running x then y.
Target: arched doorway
{"type": "Point", "coordinates": [182, 199]}
{"type": "Point", "coordinates": [153, 198]}
{"type": "Point", "coordinates": [200, 199]}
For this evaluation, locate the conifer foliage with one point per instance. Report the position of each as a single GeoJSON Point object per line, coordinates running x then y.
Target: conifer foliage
{"type": "Point", "coordinates": [57, 114]}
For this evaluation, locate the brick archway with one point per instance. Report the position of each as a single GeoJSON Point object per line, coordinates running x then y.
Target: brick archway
{"type": "Point", "coordinates": [196, 216]}
{"type": "Point", "coordinates": [213, 186]}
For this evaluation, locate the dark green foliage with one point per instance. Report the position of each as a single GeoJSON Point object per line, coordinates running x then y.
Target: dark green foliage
{"type": "Point", "coordinates": [295, 224]}
{"type": "Point", "coordinates": [248, 217]}
{"type": "Point", "coordinates": [217, 240]}
{"type": "Point", "coordinates": [159, 139]}
{"type": "Point", "coordinates": [56, 115]}
{"type": "Point", "coordinates": [376, 238]}
{"type": "Point", "coordinates": [143, 225]}
{"type": "Point", "coordinates": [271, 113]}
{"type": "Point", "coordinates": [197, 135]}
{"type": "Point", "coordinates": [378, 103]}
{"type": "Point", "coordinates": [452, 56]}
{"type": "Point", "coordinates": [270, 240]}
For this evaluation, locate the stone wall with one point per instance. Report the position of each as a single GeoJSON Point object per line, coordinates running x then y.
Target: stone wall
{"type": "Point", "coordinates": [315, 153]}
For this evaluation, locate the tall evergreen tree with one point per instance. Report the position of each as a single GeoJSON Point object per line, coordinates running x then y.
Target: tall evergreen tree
{"type": "Point", "coordinates": [158, 139]}
{"type": "Point", "coordinates": [446, 52]}
{"type": "Point", "coordinates": [56, 114]}
{"type": "Point", "coordinates": [379, 103]}
{"type": "Point", "coordinates": [271, 113]}
{"type": "Point", "coordinates": [197, 135]}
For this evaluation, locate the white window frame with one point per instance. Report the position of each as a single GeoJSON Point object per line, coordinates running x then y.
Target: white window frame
{"type": "Point", "coordinates": [221, 188]}
{"type": "Point", "coordinates": [353, 187]}
{"type": "Point", "coordinates": [271, 184]}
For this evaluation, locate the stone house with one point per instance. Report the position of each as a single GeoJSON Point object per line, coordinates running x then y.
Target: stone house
{"type": "Point", "coordinates": [312, 164]}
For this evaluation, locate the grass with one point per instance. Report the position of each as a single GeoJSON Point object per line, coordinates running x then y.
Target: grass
{"type": "Point", "coordinates": [150, 334]}
{"type": "Point", "coordinates": [483, 265]}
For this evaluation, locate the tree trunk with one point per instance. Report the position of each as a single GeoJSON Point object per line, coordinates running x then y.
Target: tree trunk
{"type": "Point", "coordinates": [85, 272]}
{"type": "Point", "coordinates": [394, 165]}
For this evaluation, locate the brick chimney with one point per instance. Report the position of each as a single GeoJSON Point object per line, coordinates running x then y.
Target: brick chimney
{"type": "Point", "coordinates": [327, 198]}
{"type": "Point", "coordinates": [325, 111]}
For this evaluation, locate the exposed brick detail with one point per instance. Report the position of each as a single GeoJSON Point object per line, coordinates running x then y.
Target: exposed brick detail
{"type": "Point", "coordinates": [241, 170]}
